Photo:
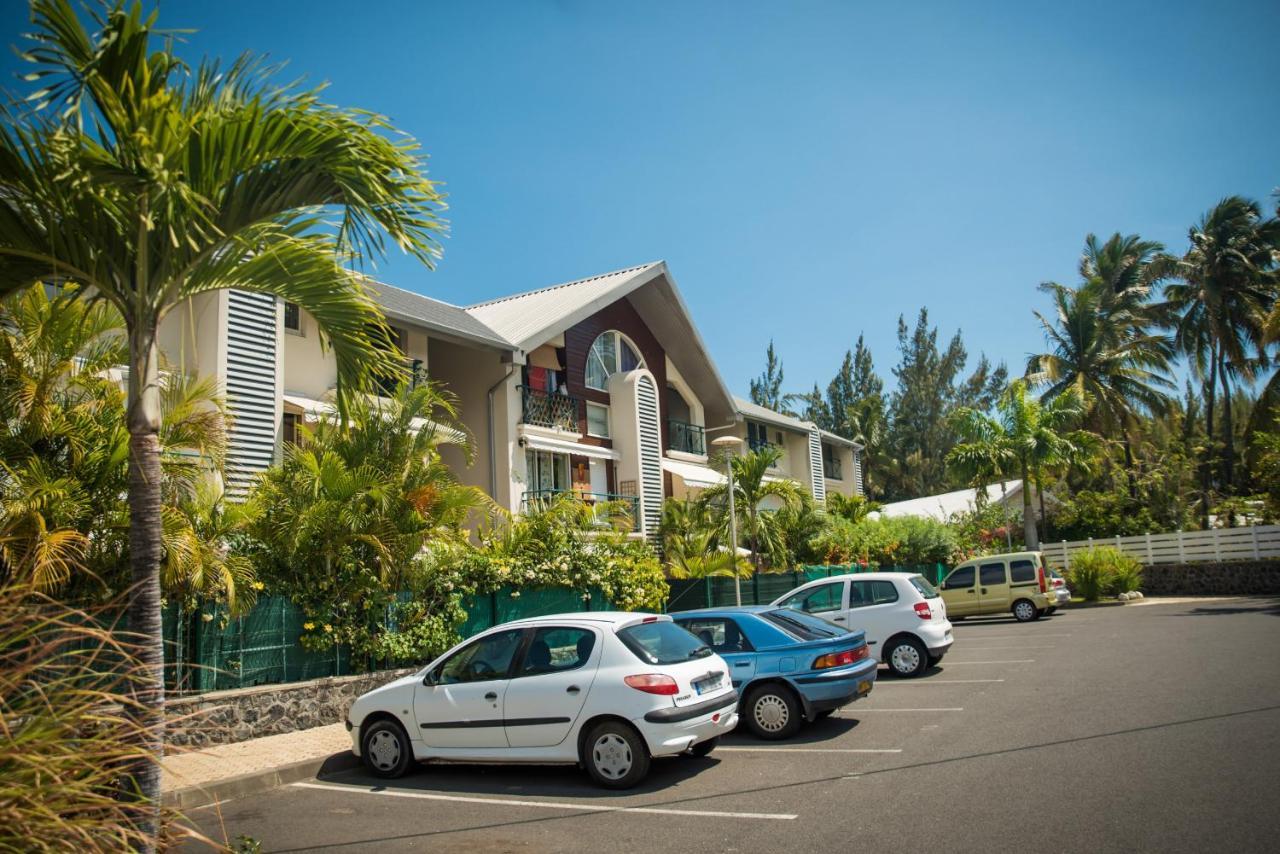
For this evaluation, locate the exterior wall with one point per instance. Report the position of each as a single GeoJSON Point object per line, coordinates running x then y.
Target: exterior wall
{"type": "Point", "coordinates": [847, 483]}
{"type": "Point", "coordinates": [192, 336]}
{"type": "Point", "coordinates": [310, 370]}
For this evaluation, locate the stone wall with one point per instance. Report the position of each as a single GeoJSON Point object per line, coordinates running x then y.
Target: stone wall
{"type": "Point", "coordinates": [1238, 578]}
{"type": "Point", "coordinates": [223, 717]}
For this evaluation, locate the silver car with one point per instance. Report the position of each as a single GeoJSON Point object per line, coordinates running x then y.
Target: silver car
{"type": "Point", "coordinates": [1058, 593]}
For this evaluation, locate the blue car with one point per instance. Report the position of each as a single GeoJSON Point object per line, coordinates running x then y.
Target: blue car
{"type": "Point", "coordinates": [788, 666]}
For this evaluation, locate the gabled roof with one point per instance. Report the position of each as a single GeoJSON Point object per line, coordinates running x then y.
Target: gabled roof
{"type": "Point", "coordinates": [837, 439]}
{"type": "Point", "coordinates": [757, 412]}
{"type": "Point", "coordinates": [528, 319]}
{"type": "Point", "coordinates": [943, 506]}
{"type": "Point", "coordinates": [434, 315]}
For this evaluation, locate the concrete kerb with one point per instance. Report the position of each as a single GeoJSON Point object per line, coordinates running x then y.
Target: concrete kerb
{"type": "Point", "coordinates": [219, 791]}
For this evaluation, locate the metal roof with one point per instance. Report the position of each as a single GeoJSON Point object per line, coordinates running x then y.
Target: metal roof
{"type": "Point", "coordinates": [399, 304]}
{"type": "Point", "coordinates": [524, 319]}
{"type": "Point", "coordinates": [839, 440]}
{"type": "Point", "coordinates": [763, 413]}
{"type": "Point", "coordinates": [943, 506]}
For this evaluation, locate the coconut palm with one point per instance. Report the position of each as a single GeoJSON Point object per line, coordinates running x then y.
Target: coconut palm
{"type": "Point", "coordinates": [144, 182]}
{"type": "Point", "coordinates": [753, 486]}
{"type": "Point", "coordinates": [1024, 436]}
{"type": "Point", "coordinates": [1223, 288]}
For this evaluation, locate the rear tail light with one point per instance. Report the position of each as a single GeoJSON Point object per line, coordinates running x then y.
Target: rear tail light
{"type": "Point", "coordinates": [1058, 582]}
{"type": "Point", "coordinates": [923, 611]}
{"type": "Point", "coordinates": [653, 683]}
{"type": "Point", "coordinates": [1040, 576]}
{"type": "Point", "coordinates": [840, 659]}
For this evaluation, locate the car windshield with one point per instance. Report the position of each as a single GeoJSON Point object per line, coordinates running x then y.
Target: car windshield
{"type": "Point", "coordinates": [926, 589]}
{"type": "Point", "coordinates": [802, 626]}
{"type": "Point", "coordinates": [662, 642]}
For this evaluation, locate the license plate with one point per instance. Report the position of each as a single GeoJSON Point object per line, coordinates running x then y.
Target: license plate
{"type": "Point", "coordinates": [864, 688]}
{"type": "Point", "coordinates": [709, 683]}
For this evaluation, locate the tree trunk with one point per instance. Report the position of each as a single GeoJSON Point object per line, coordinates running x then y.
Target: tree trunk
{"type": "Point", "coordinates": [1206, 460]}
{"type": "Point", "coordinates": [1228, 432]}
{"type": "Point", "coordinates": [145, 552]}
{"type": "Point", "coordinates": [1029, 534]}
{"type": "Point", "coordinates": [1044, 517]}
{"type": "Point", "coordinates": [1129, 468]}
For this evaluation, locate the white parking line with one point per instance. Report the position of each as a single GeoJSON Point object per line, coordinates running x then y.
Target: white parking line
{"type": "Point", "coordinates": [924, 683]}
{"type": "Point", "coordinates": [968, 647]}
{"type": "Point", "coordinates": [1009, 661]}
{"type": "Point", "coordinates": [1037, 636]}
{"type": "Point", "coordinates": [860, 711]}
{"type": "Point", "coordinates": [801, 750]}
{"type": "Point", "coordinates": [549, 805]}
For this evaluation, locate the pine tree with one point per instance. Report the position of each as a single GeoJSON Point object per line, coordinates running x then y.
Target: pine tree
{"type": "Point", "coordinates": [767, 389]}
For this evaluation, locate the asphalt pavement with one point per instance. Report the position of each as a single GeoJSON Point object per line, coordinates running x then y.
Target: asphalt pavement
{"type": "Point", "coordinates": [1128, 728]}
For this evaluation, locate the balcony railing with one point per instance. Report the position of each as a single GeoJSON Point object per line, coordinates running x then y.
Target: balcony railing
{"type": "Point", "coordinates": [761, 444]}
{"type": "Point", "coordinates": [831, 470]}
{"type": "Point", "coordinates": [414, 375]}
{"type": "Point", "coordinates": [534, 498]}
{"type": "Point", "coordinates": [549, 410]}
{"type": "Point", "coordinates": [685, 437]}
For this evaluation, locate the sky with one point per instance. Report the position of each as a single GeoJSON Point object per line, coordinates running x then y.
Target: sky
{"type": "Point", "coordinates": [809, 170]}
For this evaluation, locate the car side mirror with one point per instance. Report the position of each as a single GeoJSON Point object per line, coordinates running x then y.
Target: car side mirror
{"type": "Point", "coordinates": [431, 679]}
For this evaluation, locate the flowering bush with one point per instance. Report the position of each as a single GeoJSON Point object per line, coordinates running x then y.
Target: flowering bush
{"type": "Point", "coordinates": [896, 541]}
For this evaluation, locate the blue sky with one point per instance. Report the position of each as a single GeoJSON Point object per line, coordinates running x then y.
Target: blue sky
{"type": "Point", "coordinates": [810, 170]}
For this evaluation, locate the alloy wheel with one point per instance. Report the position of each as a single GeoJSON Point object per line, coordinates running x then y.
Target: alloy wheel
{"type": "Point", "coordinates": [1024, 610]}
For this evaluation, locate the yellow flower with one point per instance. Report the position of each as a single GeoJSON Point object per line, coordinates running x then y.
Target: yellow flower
{"type": "Point", "coordinates": [308, 626]}
{"type": "Point", "coordinates": [258, 585]}
{"type": "Point", "coordinates": [328, 628]}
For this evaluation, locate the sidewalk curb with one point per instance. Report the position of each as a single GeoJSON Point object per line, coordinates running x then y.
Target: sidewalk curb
{"type": "Point", "coordinates": [194, 797]}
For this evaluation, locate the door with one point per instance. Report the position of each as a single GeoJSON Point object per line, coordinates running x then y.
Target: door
{"type": "Point", "coordinates": [824, 600]}
{"type": "Point", "coordinates": [993, 588]}
{"type": "Point", "coordinates": [599, 477]}
{"type": "Point", "coordinates": [873, 608]}
{"type": "Point", "coordinates": [726, 638]}
{"type": "Point", "coordinates": [960, 592]}
{"type": "Point", "coordinates": [1024, 581]}
{"type": "Point", "coordinates": [460, 702]}
{"type": "Point", "coordinates": [550, 685]}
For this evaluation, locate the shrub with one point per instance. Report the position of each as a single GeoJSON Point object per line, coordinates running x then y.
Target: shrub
{"type": "Point", "coordinates": [1103, 570]}
{"type": "Point", "coordinates": [896, 541]}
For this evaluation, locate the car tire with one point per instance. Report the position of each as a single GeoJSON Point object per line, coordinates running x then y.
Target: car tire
{"type": "Point", "coordinates": [935, 660]}
{"type": "Point", "coordinates": [824, 714]}
{"type": "Point", "coordinates": [704, 748]}
{"type": "Point", "coordinates": [906, 657]}
{"type": "Point", "coordinates": [1051, 610]}
{"type": "Point", "coordinates": [615, 755]}
{"type": "Point", "coordinates": [1024, 611]}
{"type": "Point", "coordinates": [385, 749]}
{"type": "Point", "coordinates": [772, 712]}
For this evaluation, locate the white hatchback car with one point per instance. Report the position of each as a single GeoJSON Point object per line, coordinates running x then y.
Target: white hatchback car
{"type": "Point", "coordinates": [904, 617]}
{"type": "Point", "coordinates": [605, 690]}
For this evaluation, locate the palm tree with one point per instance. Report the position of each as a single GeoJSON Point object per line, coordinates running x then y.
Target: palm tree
{"type": "Point", "coordinates": [1025, 435]}
{"type": "Point", "coordinates": [143, 182]}
{"type": "Point", "coordinates": [753, 485]}
{"type": "Point", "coordinates": [1103, 343]}
{"type": "Point", "coordinates": [1223, 288]}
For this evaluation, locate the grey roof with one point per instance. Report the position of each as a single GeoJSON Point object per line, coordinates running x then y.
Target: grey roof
{"type": "Point", "coordinates": [524, 319]}
{"type": "Point", "coordinates": [434, 315]}
{"type": "Point", "coordinates": [763, 413]}
{"type": "Point", "coordinates": [839, 440]}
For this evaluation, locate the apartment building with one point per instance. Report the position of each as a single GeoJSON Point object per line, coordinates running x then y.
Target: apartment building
{"type": "Point", "coordinates": [601, 388]}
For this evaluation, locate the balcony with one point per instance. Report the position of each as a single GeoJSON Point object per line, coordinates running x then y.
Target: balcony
{"type": "Point", "coordinates": [539, 408]}
{"type": "Point", "coordinates": [537, 497]}
{"type": "Point", "coordinates": [414, 374]}
{"type": "Point", "coordinates": [686, 438]}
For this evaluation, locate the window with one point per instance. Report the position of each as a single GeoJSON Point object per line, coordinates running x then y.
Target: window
{"type": "Point", "coordinates": [293, 317]}
{"type": "Point", "coordinates": [825, 597]}
{"type": "Point", "coordinates": [757, 435]}
{"type": "Point", "coordinates": [547, 472]}
{"type": "Point", "coordinates": [555, 649]}
{"type": "Point", "coordinates": [864, 593]}
{"type": "Point", "coordinates": [802, 626]}
{"type": "Point", "coordinates": [485, 659]}
{"type": "Point", "coordinates": [926, 589]}
{"type": "Point", "coordinates": [1022, 571]}
{"type": "Point", "coordinates": [831, 469]}
{"type": "Point", "coordinates": [662, 642]}
{"type": "Point", "coordinates": [610, 353]}
{"type": "Point", "coordinates": [597, 420]}
{"type": "Point", "coordinates": [991, 573]}
{"type": "Point", "coordinates": [289, 428]}
{"type": "Point", "coordinates": [720, 634]}
{"type": "Point", "coordinates": [961, 579]}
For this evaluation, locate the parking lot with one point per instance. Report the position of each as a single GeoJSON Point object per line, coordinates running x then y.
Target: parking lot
{"type": "Point", "coordinates": [1154, 725]}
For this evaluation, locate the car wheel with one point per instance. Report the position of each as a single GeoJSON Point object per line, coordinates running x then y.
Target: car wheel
{"type": "Point", "coordinates": [907, 657]}
{"type": "Point", "coordinates": [772, 712]}
{"type": "Point", "coordinates": [703, 748]}
{"type": "Point", "coordinates": [385, 749]}
{"type": "Point", "coordinates": [1024, 611]}
{"type": "Point", "coordinates": [615, 756]}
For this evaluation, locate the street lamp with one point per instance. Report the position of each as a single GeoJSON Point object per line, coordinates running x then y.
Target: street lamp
{"type": "Point", "coordinates": [730, 445]}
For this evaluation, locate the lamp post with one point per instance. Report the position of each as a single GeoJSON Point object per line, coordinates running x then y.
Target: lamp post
{"type": "Point", "coordinates": [730, 444]}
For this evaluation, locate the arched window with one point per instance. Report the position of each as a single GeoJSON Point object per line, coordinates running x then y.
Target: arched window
{"type": "Point", "coordinates": [610, 352]}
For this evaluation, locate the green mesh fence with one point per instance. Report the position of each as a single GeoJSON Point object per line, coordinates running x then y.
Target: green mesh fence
{"type": "Point", "coordinates": [763, 588]}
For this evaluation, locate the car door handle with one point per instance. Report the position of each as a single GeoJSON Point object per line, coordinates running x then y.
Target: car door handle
{"type": "Point", "coordinates": [573, 689]}
{"type": "Point", "coordinates": [742, 664]}
{"type": "Point", "coordinates": [837, 619]}
{"type": "Point", "coordinates": [491, 696]}
{"type": "Point", "coordinates": [984, 590]}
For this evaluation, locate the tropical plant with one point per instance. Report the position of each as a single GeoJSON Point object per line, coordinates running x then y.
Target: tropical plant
{"type": "Point", "coordinates": [1102, 570]}
{"type": "Point", "coordinates": [343, 521]}
{"type": "Point", "coordinates": [799, 524]}
{"type": "Point", "coordinates": [1222, 290]}
{"type": "Point", "coordinates": [143, 181]}
{"type": "Point", "coordinates": [753, 487]}
{"type": "Point", "coordinates": [855, 508]}
{"type": "Point", "coordinates": [887, 542]}
{"type": "Point", "coordinates": [66, 686]}
{"type": "Point", "coordinates": [1026, 435]}
{"type": "Point", "coordinates": [691, 542]}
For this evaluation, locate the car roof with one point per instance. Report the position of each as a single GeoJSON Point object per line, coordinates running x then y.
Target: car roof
{"type": "Point", "coordinates": [726, 609]}
{"type": "Point", "coordinates": [1003, 556]}
{"type": "Point", "coordinates": [864, 576]}
{"type": "Point", "coordinates": [611, 618]}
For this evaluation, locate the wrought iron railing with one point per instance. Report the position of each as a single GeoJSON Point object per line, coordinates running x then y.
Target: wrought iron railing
{"type": "Point", "coordinates": [534, 498]}
{"type": "Point", "coordinates": [549, 410]}
{"type": "Point", "coordinates": [685, 437]}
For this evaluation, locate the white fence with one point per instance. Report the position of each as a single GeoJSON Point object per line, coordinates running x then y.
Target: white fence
{"type": "Point", "coordinates": [1217, 544]}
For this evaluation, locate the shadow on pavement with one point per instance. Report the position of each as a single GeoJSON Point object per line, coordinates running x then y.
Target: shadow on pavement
{"type": "Point", "coordinates": [1271, 608]}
